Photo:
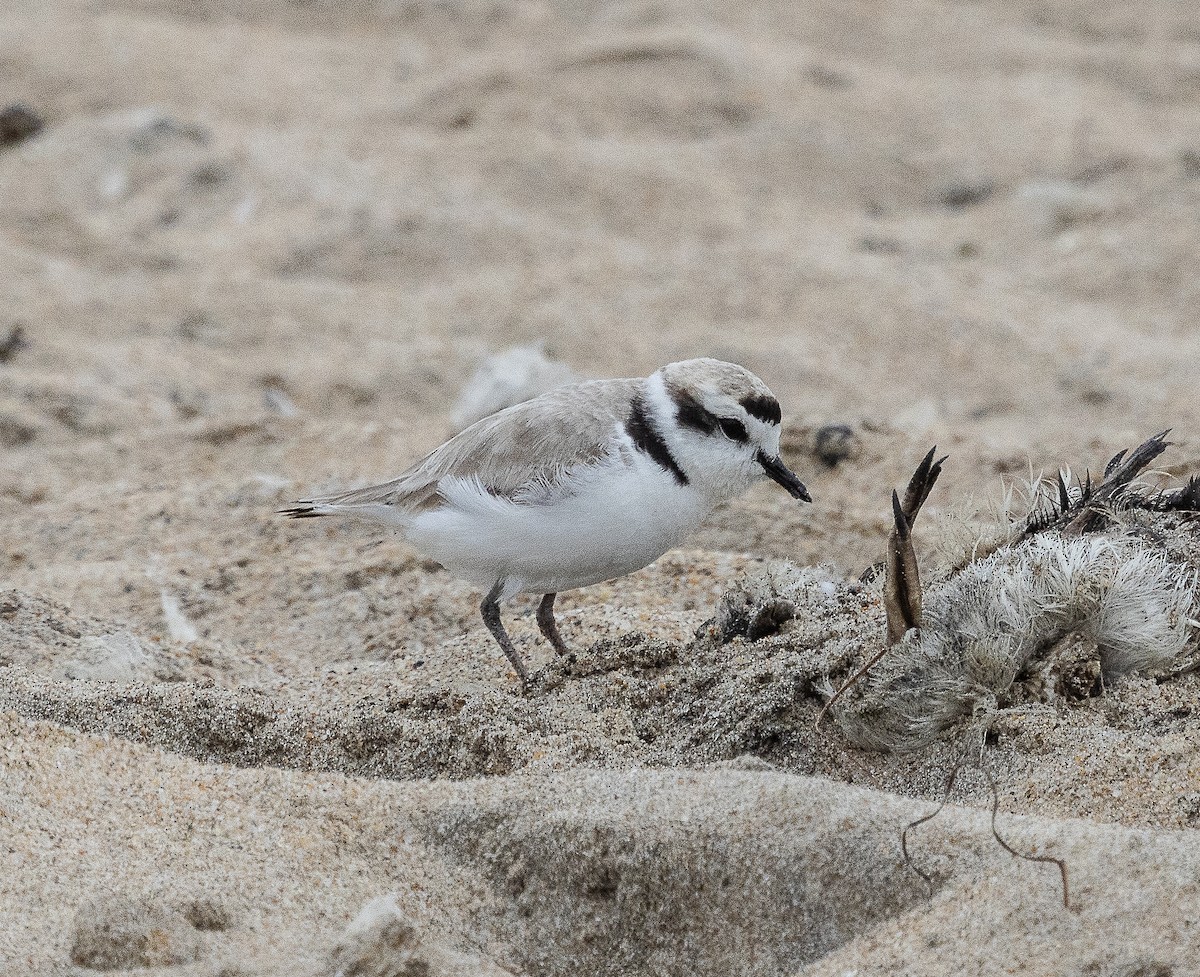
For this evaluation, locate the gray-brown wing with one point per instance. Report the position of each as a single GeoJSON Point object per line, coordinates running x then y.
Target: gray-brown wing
{"type": "Point", "coordinates": [533, 442]}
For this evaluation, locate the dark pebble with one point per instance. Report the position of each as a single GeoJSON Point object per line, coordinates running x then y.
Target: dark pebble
{"type": "Point", "coordinates": [18, 123]}
{"type": "Point", "coordinates": [834, 443]}
{"type": "Point", "coordinates": [12, 344]}
{"type": "Point", "coordinates": [965, 193]}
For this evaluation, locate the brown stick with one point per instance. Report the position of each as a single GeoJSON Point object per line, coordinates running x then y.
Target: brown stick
{"type": "Point", "coordinates": [902, 589]}
{"type": "Point", "coordinates": [1060, 863]}
{"type": "Point", "coordinates": [902, 585]}
{"type": "Point", "coordinates": [849, 682]}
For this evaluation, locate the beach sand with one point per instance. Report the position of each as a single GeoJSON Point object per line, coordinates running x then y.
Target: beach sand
{"type": "Point", "coordinates": [255, 253]}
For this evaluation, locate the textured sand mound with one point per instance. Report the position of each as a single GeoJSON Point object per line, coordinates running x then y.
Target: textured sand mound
{"type": "Point", "coordinates": [696, 872]}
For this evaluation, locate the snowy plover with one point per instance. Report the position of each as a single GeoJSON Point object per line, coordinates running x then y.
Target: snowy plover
{"type": "Point", "coordinates": [580, 485]}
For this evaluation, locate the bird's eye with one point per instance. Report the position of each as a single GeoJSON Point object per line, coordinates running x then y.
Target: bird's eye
{"type": "Point", "coordinates": [733, 429]}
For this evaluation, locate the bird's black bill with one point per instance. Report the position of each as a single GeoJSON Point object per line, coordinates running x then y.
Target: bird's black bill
{"type": "Point", "coordinates": [779, 472]}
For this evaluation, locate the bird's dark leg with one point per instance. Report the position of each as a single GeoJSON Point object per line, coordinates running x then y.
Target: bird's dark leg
{"type": "Point", "coordinates": [545, 619]}
{"type": "Point", "coordinates": [489, 610]}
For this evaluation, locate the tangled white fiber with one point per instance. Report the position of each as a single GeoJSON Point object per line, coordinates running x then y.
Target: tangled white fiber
{"type": "Point", "coordinates": [982, 625]}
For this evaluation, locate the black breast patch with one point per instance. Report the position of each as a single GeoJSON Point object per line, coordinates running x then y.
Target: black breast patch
{"type": "Point", "coordinates": [646, 439]}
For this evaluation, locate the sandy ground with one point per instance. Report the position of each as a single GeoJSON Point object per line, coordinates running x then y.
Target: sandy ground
{"type": "Point", "coordinates": [255, 253]}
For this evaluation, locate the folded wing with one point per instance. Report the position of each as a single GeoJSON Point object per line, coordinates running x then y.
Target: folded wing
{"type": "Point", "coordinates": [530, 446]}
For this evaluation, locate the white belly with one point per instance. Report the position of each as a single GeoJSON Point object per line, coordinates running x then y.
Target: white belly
{"type": "Point", "coordinates": [619, 519]}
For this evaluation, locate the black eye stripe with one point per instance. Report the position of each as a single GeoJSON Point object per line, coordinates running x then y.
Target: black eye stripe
{"type": "Point", "coordinates": [766, 409]}
{"type": "Point", "coordinates": [690, 413]}
{"type": "Point", "coordinates": [734, 429]}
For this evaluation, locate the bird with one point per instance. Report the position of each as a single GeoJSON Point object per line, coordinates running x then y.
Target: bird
{"type": "Point", "coordinates": [580, 485]}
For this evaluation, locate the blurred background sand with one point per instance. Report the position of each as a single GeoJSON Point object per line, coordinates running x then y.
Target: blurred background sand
{"type": "Point", "coordinates": [256, 250]}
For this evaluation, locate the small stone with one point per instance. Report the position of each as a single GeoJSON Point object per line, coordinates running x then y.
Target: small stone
{"type": "Point", "coordinates": [15, 432]}
{"type": "Point", "coordinates": [835, 443]}
{"type": "Point", "coordinates": [961, 193]}
{"type": "Point", "coordinates": [12, 344]}
{"type": "Point", "coordinates": [211, 174]}
{"type": "Point", "coordinates": [17, 123]}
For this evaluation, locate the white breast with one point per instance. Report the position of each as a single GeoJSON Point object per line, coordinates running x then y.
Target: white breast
{"type": "Point", "coordinates": [610, 519]}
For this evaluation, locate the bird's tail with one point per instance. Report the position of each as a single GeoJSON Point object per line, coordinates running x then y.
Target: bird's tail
{"type": "Point", "coordinates": [305, 510]}
{"type": "Point", "coordinates": [376, 503]}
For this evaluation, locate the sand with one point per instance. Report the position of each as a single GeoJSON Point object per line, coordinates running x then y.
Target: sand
{"type": "Point", "coordinates": [256, 251]}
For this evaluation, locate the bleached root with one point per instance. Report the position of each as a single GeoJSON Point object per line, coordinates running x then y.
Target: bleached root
{"type": "Point", "coordinates": [985, 624]}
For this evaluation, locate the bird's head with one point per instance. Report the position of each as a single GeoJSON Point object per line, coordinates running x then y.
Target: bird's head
{"type": "Point", "coordinates": [722, 426]}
